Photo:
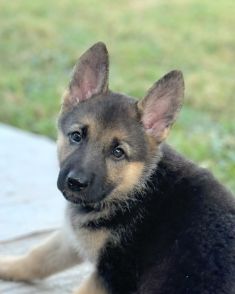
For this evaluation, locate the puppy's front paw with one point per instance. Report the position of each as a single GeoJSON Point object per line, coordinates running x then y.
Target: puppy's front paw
{"type": "Point", "coordinates": [13, 268]}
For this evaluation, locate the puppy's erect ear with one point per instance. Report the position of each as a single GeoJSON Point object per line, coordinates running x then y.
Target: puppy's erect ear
{"type": "Point", "coordinates": [161, 105]}
{"type": "Point", "coordinates": [90, 75]}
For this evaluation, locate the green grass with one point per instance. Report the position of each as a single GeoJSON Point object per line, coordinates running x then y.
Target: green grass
{"type": "Point", "coordinates": [40, 41]}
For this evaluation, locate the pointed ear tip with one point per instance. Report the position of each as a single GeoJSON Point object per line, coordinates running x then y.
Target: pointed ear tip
{"type": "Point", "coordinates": [177, 74]}
{"type": "Point", "coordinates": [100, 43]}
{"type": "Point", "coordinates": [178, 78]}
{"type": "Point", "coordinates": [100, 46]}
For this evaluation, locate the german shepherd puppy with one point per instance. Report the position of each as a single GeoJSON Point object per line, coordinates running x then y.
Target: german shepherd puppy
{"type": "Point", "coordinates": [149, 220]}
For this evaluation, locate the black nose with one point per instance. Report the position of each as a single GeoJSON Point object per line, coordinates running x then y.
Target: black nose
{"type": "Point", "coordinates": [77, 183]}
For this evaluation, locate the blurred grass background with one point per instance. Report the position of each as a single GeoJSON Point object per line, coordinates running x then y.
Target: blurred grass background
{"type": "Point", "coordinates": [40, 41]}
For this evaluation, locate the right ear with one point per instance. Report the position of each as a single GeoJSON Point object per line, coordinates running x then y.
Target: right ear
{"type": "Point", "coordinates": [90, 75]}
{"type": "Point", "coordinates": [161, 104]}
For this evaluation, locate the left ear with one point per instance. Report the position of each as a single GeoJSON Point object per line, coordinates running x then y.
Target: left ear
{"type": "Point", "coordinates": [90, 75]}
{"type": "Point", "coordinates": [161, 104]}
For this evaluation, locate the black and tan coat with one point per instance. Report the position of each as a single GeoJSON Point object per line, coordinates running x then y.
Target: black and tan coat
{"type": "Point", "coordinates": [149, 220]}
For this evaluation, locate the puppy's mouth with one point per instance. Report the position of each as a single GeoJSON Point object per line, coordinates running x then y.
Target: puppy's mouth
{"type": "Point", "coordinates": [82, 203]}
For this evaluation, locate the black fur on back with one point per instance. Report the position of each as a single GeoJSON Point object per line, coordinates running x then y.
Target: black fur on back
{"type": "Point", "coordinates": [179, 238]}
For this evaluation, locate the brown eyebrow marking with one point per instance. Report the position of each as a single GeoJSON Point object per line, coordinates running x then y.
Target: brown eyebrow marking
{"type": "Point", "coordinates": [75, 127]}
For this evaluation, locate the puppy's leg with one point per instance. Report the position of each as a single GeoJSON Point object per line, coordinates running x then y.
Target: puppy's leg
{"type": "Point", "coordinates": [54, 255]}
{"type": "Point", "coordinates": [92, 285]}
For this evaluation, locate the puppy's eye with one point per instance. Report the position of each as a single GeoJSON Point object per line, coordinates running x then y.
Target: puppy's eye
{"type": "Point", "coordinates": [118, 153]}
{"type": "Point", "coordinates": [75, 137]}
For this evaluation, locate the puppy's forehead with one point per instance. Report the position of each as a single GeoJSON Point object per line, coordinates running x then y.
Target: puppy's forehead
{"type": "Point", "coordinates": [113, 112]}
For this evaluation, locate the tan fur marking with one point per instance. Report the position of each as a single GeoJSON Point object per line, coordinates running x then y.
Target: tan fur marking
{"type": "Point", "coordinates": [127, 175]}
{"type": "Point", "coordinates": [140, 106]}
{"type": "Point", "coordinates": [152, 144]}
{"type": "Point", "coordinates": [92, 285]}
{"type": "Point", "coordinates": [63, 149]}
{"type": "Point", "coordinates": [131, 175]}
{"type": "Point", "coordinates": [92, 125]}
{"type": "Point", "coordinates": [164, 135]}
{"type": "Point", "coordinates": [110, 133]}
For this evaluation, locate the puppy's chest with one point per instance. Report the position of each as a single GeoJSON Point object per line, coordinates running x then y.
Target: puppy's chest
{"type": "Point", "coordinates": [89, 243]}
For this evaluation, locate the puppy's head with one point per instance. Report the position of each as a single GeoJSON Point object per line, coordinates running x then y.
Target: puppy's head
{"type": "Point", "coordinates": [107, 142]}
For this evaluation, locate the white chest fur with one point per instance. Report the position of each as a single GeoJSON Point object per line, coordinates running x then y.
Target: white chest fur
{"type": "Point", "coordinates": [87, 243]}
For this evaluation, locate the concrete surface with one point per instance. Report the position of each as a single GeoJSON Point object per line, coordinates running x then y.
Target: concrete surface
{"type": "Point", "coordinates": [28, 172]}
{"type": "Point", "coordinates": [30, 205]}
{"type": "Point", "coordinates": [62, 283]}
